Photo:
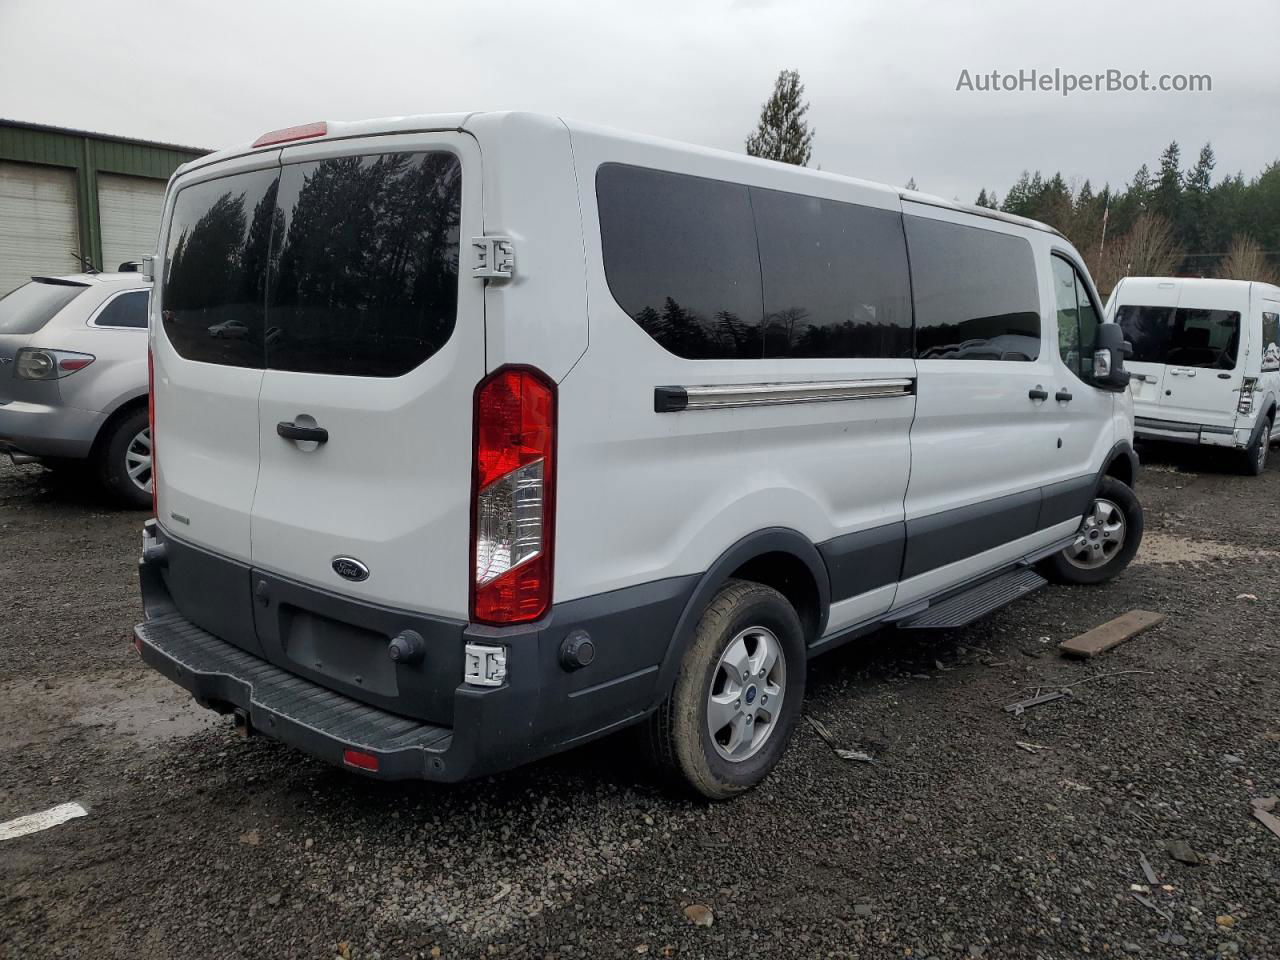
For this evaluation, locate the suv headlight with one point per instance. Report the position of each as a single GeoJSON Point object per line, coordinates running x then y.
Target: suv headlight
{"type": "Point", "coordinates": [34, 363]}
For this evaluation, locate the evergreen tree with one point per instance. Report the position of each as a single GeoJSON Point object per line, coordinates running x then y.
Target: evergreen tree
{"type": "Point", "coordinates": [1166, 199]}
{"type": "Point", "coordinates": [783, 133]}
{"type": "Point", "coordinates": [985, 200]}
{"type": "Point", "coordinates": [911, 184]}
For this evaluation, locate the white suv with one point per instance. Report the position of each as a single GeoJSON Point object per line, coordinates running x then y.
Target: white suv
{"type": "Point", "coordinates": [73, 378]}
{"type": "Point", "coordinates": [483, 435]}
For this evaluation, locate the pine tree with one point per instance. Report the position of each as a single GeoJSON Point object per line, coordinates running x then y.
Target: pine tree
{"type": "Point", "coordinates": [911, 184]}
{"type": "Point", "coordinates": [1167, 197]}
{"type": "Point", "coordinates": [1195, 224]}
{"type": "Point", "coordinates": [783, 133]}
{"type": "Point", "coordinates": [985, 199]}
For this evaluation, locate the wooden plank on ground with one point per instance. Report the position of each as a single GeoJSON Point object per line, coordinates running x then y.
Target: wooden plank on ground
{"type": "Point", "coordinates": [1110, 634]}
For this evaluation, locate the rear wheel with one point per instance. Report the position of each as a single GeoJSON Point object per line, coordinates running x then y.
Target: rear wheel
{"type": "Point", "coordinates": [1255, 455]}
{"type": "Point", "coordinates": [124, 460]}
{"type": "Point", "coordinates": [1107, 540]}
{"type": "Point", "coordinates": [737, 695]}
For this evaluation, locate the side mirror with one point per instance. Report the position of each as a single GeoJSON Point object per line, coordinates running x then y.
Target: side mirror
{"type": "Point", "coordinates": [1109, 357]}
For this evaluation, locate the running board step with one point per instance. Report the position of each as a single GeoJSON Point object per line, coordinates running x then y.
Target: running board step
{"type": "Point", "coordinates": [964, 608]}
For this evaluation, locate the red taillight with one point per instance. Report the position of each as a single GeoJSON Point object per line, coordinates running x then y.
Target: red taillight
{"type": "Point", "coordinates": [72, 364]}
{"type": "Point", "coordinates": [151, 426]}
{"type": "Point", "coordinates": [360, 760]}
{"type": "Point", "coordinates": [513, 496]}
{"type": "Point", "coordinates": [303, 131]}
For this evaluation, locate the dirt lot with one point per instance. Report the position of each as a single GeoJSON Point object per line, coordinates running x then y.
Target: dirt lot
{"type": "Point", "coordinates": [959, 842]}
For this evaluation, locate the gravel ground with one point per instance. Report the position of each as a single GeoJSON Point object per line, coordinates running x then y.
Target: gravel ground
{"type": "Point", "coordinates": [958, 842]}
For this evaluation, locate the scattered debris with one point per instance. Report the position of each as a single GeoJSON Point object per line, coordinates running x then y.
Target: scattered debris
{"type": "Point", "coordinates": [344, 950]}
{"type": "Point", "coordinates": [1231, 760]}
{"type": "Point", "coordinates": [1031, 747]}
{"type": "Point", "coordinates": [1181, 851]}
{"type": "Point", "coordinates": [1153, 906]}
{"type": "Point", "coordinates": [251, 838]}
{"type": "Point", "coordinates": [1265, 804]}
{"type": "Point", "coordinates": [699, 914]}
{"type": "Point", "coordinates": [1246, 596]}
{"type": "Point", "coordinates": [1017, 708]}
{"type": "Point", "coordinates": [1139, 888]}
{"type": "Point", "coordinates": [35, 822]}
{"type": "Point", "coordinates": [1226, 920]}
{"type": "Point", "coordinates": [1148, 871]}
{"type": "Point", "coordinates": [1173, 939]}
{"type": "Point", "coordinates": [1268, 820]}
{"type": "Point", "coordinates": [941, 666]}
{"type": "Point", "coordinates": [1110, 634]}
{"type": "Point", "coordinates": [843, 753]}
{"type": "Point", "coordinates": [1074, 785]}
{"type": "Point", "coordinates": [274, 900]}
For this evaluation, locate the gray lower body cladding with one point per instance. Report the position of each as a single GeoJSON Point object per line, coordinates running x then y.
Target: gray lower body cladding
{"type": "Point", "coordinates": [311, 668]}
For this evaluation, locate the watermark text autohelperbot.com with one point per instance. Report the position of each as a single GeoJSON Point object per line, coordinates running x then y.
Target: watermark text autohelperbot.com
{"type": "Point", "coordinates": [1065, 83]}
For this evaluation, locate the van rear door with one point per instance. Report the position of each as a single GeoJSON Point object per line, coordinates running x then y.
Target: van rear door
{"type": "Point", "coordinates": [207, 350]}
{"type": "Point", "coordinates": [374, 337]}
{"type": "Point", "coordinates": [1145, 313]}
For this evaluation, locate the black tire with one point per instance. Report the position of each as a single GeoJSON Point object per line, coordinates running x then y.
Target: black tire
{"type": "Point", "coordinates": [111, 464]}
{"type": "Point", "coordinates": [1061, 569]}
{"type": "Point", "coordinates": [680, 738]}
{"type": "Point", "coordinates": [1255, 455]}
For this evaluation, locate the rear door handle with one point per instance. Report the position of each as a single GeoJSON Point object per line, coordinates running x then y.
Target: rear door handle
{"type": "Point", "coordinates": [291, 431]}
{"type": "Point", "coordinates": [1038, 393]}
{"type": "Point", "coordinates": [1063, 396]}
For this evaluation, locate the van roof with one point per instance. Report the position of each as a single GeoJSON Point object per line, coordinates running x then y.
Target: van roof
{"type": "Point", "coordinates": [515, 120]}
{"type": "Point", "coordinates": [1208, 285]}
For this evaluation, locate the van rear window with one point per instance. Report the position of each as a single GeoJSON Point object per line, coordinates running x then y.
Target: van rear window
{"type": "Point", "coordinates": [346, 266]}
{"type": "Point", "coordinates": [29, 307]}
{"type": "Point", "coordinates": [1183, 337]}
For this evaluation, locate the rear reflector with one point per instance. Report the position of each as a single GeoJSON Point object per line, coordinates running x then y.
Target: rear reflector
{"type": "Point", "coordinates": [361, 761]}
{"type": "Point", "coordinates": [72, 364]}
{"type": "Point", "coordinates": [303, 131]}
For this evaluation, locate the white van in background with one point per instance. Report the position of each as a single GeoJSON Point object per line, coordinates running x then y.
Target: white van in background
{"type": "Point", "coordinates": [479, 436]}
{"type": "Point", "coordinates": [1206, 361]}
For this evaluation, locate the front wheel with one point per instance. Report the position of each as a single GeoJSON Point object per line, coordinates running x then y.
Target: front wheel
{"type": "Point", "coordinates": [737, 695]}
{"type": "Point", "coordinates": [1107, 540]}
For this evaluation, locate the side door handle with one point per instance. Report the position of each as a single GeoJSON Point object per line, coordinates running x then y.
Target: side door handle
{"type": "Point", "coordinates": [1063, 396]}
{"type": "Point", "coordinates": [291, 431]}
{"type": "Point", "coordinates": [1038, 393]}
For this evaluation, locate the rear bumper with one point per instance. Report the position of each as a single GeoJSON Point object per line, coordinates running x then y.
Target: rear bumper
{"type": "Point", "coordinates": [540, 708]}
{"type": "Point", "coordinates": [45, 430]}
{"type": "Point", "coordinates": [1176, 431]}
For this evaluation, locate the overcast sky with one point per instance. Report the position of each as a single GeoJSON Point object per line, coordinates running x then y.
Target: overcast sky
{"type": "Point", "coordinates": [881, 77]}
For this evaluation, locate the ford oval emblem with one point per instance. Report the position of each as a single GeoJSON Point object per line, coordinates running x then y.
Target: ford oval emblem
{"type": "Point", "coordinates": [350, 568]}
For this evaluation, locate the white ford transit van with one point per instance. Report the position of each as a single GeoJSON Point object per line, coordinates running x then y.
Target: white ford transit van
{"type": "Point", "coordinates": [480, 436]}
{"type": "Point", "coordinates": [1206, 361]}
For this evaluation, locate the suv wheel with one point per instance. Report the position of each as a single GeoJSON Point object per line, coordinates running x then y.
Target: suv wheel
{"type": "Point", "coordinates": [124, 460]}
{"type": "Point", "coordinates": [1107, 540]}
{"type": "Point", "coordinates": [737, 695]}
{"type": "Point", "coordinates": [1255, 455]}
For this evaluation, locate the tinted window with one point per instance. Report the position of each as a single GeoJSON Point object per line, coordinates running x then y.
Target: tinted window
{"type": "Point", "coordinates": [1185, 337]}
{"type": "Point", "coordinates": [126, 310]}
{"type": "Point", "coordinates": [1077, 318]}
{"type": "Point", "coordinates": [975, 293]}
{"type": "Point", "coordinates": [365, 281]}
{"type": "Point", "coordinates": [680, 257]}
{"type": "Point", "coordinates": [835, 278]}
{"type": "Point", "coordinates": [32, 305]}
{"type": "Point", "coordinates": [1271, 341]}
{"type": "Point", "coordinates": [215, 268]}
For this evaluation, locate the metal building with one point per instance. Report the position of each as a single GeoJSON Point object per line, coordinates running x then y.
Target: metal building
{"type": "Point", "coordinates": [69, 194]}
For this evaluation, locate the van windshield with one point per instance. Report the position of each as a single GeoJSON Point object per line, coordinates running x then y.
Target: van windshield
{"type": "Point", "coordinates": [1182, 336]}
{"type": "Point", "coordinates": [32, 305]}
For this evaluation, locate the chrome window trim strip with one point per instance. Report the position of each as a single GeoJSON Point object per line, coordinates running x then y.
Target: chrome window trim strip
{"type": "Point", "coordinates": [674, 399]}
